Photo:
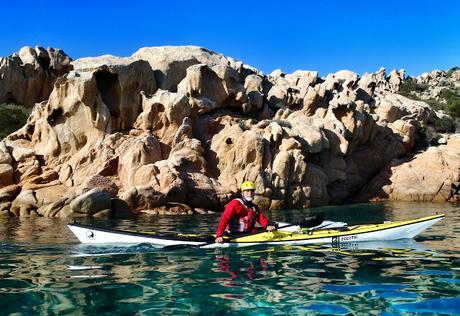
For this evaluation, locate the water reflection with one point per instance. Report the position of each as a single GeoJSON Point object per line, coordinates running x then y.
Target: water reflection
{"type": "Point", "coordinates": [44, 270]}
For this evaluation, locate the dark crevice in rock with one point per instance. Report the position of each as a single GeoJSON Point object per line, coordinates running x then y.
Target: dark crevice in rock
{"type": "Point", "coordinates": [54, 116]}
{"type": "Point", "coordinates": [109, 89]}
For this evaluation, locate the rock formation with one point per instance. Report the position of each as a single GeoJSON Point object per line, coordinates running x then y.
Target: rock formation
{"type": "Point", "coordinates": [177, 129]}
{"type": "Point", "coordinates": [429, 176]}
{"type": "Point", "coordinates": [28, 77]}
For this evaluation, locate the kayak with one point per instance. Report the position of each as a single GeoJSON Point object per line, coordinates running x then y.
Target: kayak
{"type": "Point", "coordinates": [322, 234]}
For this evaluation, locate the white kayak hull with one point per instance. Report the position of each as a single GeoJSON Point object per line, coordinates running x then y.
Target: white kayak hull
{"type": "Point", "coordinates": [349, 234]}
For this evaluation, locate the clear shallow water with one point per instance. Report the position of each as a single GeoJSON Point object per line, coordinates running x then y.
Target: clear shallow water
{"type": "Point", "coordinates": [44, 270]}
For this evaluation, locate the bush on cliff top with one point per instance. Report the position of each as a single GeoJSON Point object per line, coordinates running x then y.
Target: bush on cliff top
{"type": "Point", "coordinates": [453, 107]}
{"type": "Point", "coordinates": [445, 125]}
{"type": "Point", "coordinates": [409, 86]}
{"type": "Point", "coordinates": [451, 70]}
{"type": "Point", "coordinates": [12, 118]}
{"type": "Point", "coordinates": [452, 97]}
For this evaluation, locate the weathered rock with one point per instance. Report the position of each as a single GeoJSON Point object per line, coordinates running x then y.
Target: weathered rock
{"type": "Point", "coordinates": [5, 208]}
{"type": "Point", "coordinates": [51, 193]}
{"type": "Point", "coordinates": [5, 156]}
{"type": "Point", "coordinates": [59, 208]}
{"type": "Point", "coordinates": [120, 208]}
{"type": "Point", "coordinates": [91, 202]}
{"type": "Point", "coordinates": [185, 125]}
{"type": "Point", "coordinates": [102, 183]}
{"type": "Point", "coordinates": [139, 198]}
{"type": "Point", "coordinates": [9, 193]}
{"type": "Point", "coordinates": [6, 175]}
{"type": "Point", "coordinates": [391, 107]}
{"type": "Point", "coordinates": [171, 63]}
{"type": "Point", "coordinates": [24, 204]}
{"type": "Point", "coordinates": [163, 113]}
{"type": "Point", "coordinates": [28, 76]}
{"type": "Point", "coordinates": [254, 90]}
{"type": "Point", "coordinates": [20, 154]}
{"type": "Point", "coordinates": [210, 88]}
{"type": "Point", "coordinates": [103, 214]}
{"type": "Point", "coordinates": [428, 176]}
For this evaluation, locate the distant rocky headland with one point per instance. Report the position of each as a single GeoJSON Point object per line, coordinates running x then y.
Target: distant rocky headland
{"type": "Point", "coordinates": [175, 130]}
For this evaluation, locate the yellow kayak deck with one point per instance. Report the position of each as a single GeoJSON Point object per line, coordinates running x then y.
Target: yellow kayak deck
{"type": "Point", "coordinates": [306, 234]}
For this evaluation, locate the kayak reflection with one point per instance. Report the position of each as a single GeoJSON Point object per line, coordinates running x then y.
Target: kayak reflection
{"type": "Point", "coordinates": [238, 265]}
{"type": "Point", "coordinates": [262, 262]}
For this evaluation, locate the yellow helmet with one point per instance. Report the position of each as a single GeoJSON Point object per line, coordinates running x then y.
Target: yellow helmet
{"type": "Point", "coordinates": [248, 185]}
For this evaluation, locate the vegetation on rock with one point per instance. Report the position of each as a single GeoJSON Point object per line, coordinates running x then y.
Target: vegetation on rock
{"type": "Point", "coordinates": [12, 117]}
{"type": "Point", "coordinates": [410, 87]}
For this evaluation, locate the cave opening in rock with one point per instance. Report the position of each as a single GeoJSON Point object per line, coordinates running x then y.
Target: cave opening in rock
{"type": "Point", "coordinates": [109, 89]}
{"type": "Point", "coordinates": [55, 114]}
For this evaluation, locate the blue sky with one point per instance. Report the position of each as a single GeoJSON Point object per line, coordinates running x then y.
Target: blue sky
{"type": "Point", "coordinates": [327, 36]}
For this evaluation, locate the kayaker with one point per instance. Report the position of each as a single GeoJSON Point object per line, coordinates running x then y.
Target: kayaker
{"type": "Point", "coordinates": [240, 214]}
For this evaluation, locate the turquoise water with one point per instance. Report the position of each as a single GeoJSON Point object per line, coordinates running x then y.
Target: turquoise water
{"type": "Point", "coordinates": [45, 271]}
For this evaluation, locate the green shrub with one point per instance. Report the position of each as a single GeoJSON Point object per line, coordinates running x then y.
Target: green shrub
{"type": "Point", "coordinates": [445, 125]}
{"type": "Point", "coordinates": [453, 107]}
{"type": "Point", "coordinates": [428, 136]}
{"type": "Point", "coordinates": [409, 86]}
{"type": "Point", "coordinates": [12, 118]}
{"type": "Point", "coordinates": [449, 94]}
{"type": "Point", "coordinates": [435, 105]}
{"type": "Point", "coordinates": [451, 70]}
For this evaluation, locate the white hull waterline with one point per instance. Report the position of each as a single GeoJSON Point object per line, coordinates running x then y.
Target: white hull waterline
{"type": "Point", "coordinates": [325, 235]}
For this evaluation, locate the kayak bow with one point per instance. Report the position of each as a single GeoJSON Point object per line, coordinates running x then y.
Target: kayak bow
{"type": "Point", "coordinates": [333, 234]}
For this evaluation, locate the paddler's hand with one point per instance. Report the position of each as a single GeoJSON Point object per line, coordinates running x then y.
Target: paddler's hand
{"type": "Point", "coordinates": [219, 240]}
{"type": "Point", "coordinates": [270, 228]}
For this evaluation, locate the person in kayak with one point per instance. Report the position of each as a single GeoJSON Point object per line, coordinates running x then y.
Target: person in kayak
{"type": "Point", "coordinates": [240, 214]}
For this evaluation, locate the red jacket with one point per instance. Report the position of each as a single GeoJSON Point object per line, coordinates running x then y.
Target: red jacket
{"type": "Point", "coordinates": [235, 211]}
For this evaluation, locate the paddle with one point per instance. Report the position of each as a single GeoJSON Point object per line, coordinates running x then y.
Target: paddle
{"type": "Point", "coordinates": [307, 222]}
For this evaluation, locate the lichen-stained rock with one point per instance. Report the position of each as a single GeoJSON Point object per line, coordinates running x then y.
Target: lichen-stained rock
{"type": "Point", "coordinates": [27, 77]}
{"type": "Point", "coordinates": [104, 183]}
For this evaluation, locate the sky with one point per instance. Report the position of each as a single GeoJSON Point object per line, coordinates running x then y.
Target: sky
{"type": "Point", "coordinates": [321, 35]}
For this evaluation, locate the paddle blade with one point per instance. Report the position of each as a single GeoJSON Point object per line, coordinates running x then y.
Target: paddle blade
{"type": "Point", "coordinates": [312, 220]}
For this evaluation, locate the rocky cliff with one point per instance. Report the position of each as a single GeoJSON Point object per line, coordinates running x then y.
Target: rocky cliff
{"type": "Point", "coordinates": [176, 129]}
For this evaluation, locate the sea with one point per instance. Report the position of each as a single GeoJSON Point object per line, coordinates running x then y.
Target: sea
{"type": "Point", "coordinates": [44, 270]}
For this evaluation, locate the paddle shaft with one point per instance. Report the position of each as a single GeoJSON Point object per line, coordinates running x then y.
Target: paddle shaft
{"type": "Point", "coordinates": [308, 222]}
